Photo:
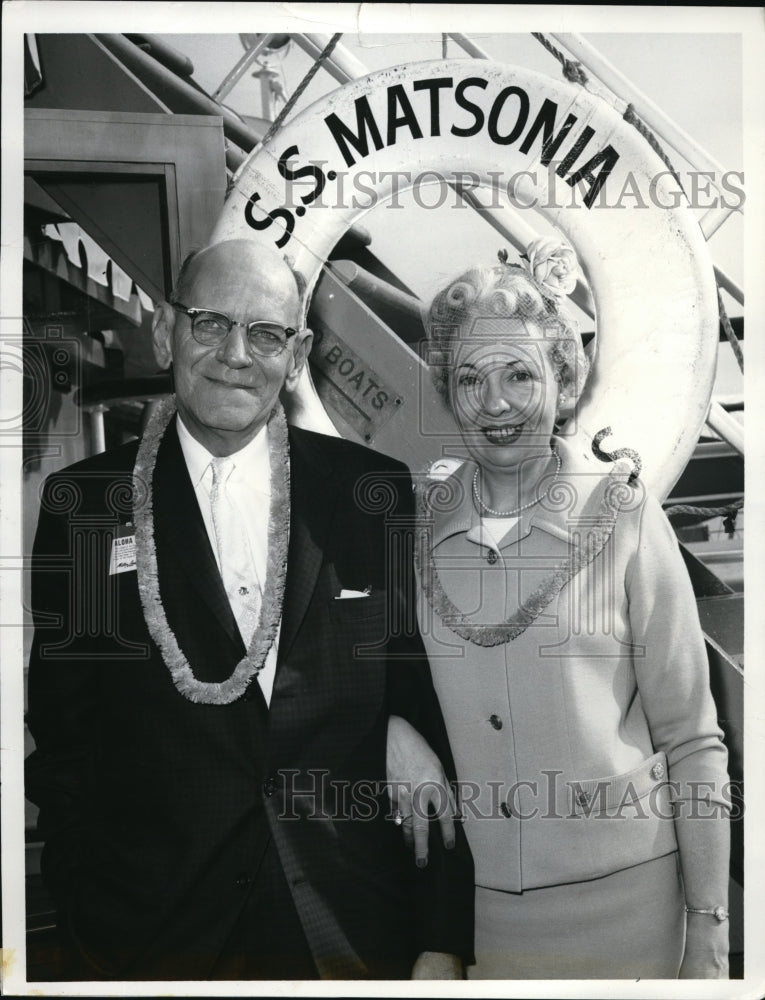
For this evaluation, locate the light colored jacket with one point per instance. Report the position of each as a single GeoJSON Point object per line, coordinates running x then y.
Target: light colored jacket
{"type": "Point", "coordinates": [574, 741]}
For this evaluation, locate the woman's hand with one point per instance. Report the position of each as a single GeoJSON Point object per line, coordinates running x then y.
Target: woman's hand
{"type": "Point", "coordinates": [416, 781]}
{"type": "Point", "coordinates": [706, 948]}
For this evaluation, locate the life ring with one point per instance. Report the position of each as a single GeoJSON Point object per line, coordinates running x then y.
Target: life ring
{"type": "Point", "coordinates": [646, 261]}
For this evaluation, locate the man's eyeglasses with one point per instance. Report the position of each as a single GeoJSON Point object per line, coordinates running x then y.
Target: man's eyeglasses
{"type": "Point", "coordinates": [212, 328]}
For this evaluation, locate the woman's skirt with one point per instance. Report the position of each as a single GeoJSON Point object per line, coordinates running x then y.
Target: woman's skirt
{"type": "Point", "coordinates": [629, 925]}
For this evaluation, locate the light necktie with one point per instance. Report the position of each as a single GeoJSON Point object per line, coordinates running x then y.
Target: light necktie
{"type": "Point", "coordinates": [237, 566]}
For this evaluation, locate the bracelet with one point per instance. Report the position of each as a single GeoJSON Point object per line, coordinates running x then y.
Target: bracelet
{"type": "Point", "coordinates": [719, 912]}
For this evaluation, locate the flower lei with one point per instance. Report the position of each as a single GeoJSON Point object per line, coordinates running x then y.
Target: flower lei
{"type": "Point", "coordinates": [209, 692]}
{"type": "Point", "coordinates": [494, 635]}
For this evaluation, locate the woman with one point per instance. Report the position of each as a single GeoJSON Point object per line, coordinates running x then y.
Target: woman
{"type": "Point", "coordinates": [566, 651]}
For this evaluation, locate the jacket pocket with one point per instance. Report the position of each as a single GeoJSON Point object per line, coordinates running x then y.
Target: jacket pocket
{"type": "Point", "coordinates": [360, 627]}
{"type": "Point", "coordinates": [356, 670]}
{"type": "Point", "coordinates": [619, 792]}
{"type": "Point", "coordinates": [348, 609]}
{"type": "Point", "coordinates": [623, 819]}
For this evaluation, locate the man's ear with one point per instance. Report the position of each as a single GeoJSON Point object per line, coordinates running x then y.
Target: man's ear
{"type": "Point", "coordinates": [162, 325]}
{"type": "Point", "coordinates": [300, 352]}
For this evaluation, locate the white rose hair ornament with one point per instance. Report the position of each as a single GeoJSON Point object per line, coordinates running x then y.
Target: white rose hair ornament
{"type": "Point", "coordinates": [552, 266]}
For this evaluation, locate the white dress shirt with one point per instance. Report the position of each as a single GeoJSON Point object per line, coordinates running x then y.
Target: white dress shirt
{"type": "Point", "coordinates": [249, 488]}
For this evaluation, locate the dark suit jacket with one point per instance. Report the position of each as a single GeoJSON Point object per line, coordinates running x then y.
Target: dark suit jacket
{"type": "Point", "coordinates": [157, 812]}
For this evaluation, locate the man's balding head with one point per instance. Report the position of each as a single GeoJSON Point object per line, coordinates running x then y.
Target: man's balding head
{"type": "Point", "coordinates": [241, 258]}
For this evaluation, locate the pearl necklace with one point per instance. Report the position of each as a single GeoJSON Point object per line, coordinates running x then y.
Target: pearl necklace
{"type": "Point", "coordinates": [525, 506]}
{"type": "Point", "coordinates": [616, 493]}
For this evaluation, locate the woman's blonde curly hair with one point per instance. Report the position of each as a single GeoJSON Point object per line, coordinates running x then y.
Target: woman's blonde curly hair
{"type": "Point", "coordinates": [507, 291]}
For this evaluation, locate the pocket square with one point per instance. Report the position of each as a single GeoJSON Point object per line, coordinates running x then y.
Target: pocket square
{"type": "Point", "coordinates": [344, 594]}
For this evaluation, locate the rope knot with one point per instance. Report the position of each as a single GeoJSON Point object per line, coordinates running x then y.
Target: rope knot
{"type": "Point", "coordinates": [574, 72]}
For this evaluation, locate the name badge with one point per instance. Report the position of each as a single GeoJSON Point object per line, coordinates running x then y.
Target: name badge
{"type": "Point", "coordinates": [123, 550]}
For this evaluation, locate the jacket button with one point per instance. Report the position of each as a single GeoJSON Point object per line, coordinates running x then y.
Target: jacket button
{"type": "Point", "coordinates": [496, 721]}
{"type": "Point", "coordinates": [270, 787]}
{"type": "Point", "coordinates": [657, 771]}
{"type": "Point", "coordinates": [491, 557]}
{"type": "Point", "coordinates": [243, 879]}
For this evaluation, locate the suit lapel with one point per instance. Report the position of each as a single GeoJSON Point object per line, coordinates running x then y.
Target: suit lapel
{"type": "Point", "coordinates": [313, 497]}
{"type": "Point", "coordinates": [186, 558]}
{"type": "Point", "coordinates": [183, 543]}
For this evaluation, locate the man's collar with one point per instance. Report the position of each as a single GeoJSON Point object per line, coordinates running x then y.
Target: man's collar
{"type": "Point", "coordinates": [252, 460]}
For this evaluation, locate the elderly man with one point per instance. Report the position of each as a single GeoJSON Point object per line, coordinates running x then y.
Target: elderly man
{"type": "Point", "coordinates": [216, 669]}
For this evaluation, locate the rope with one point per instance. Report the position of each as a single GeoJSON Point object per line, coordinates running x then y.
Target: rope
{"type": "Point", "coordinates": [325, 54]}
{"type": "Point", "coordinates": [730, 333]}
{"type": "Point", "coordinates": [728, 513]}
{"type": "Point", "coordinates": [573, 71]}
{"type": "Point", "coordinates": [632, 118]}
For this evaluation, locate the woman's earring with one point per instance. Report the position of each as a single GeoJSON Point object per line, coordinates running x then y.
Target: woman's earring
{"type": "Point", "coordinates": [562, 397]}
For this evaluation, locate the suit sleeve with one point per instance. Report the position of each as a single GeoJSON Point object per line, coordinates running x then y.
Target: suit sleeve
{"type": "Point", "coordinates": [61, 695]}
{"type": "Point", "coordinates": [446, 887]}
{"type": "Point", "coordinates": [671, 667]}
{"type": "Point", "coordinates": [673, 679]}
